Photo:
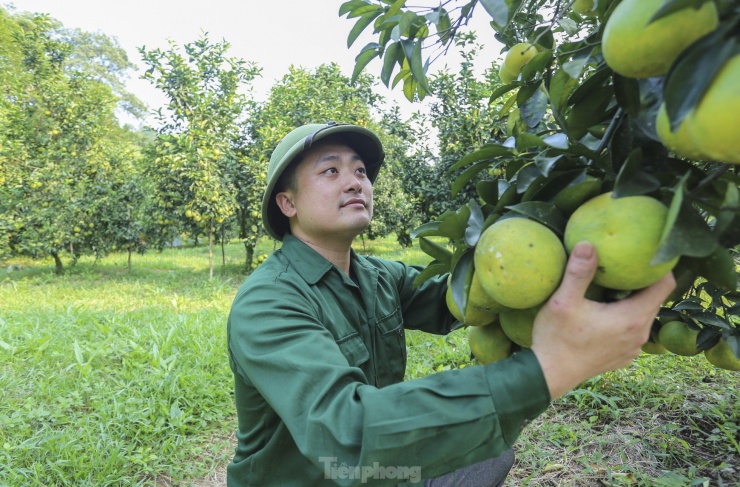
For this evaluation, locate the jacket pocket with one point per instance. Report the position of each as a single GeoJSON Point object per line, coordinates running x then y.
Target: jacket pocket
{"type": "Point", "coordinates": [354, 350]}
{"type": "Point", "coordinates": [393, 341]}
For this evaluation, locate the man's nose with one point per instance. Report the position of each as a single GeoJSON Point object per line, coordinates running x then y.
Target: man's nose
{"type": "Point", "coordinates": [354, 183]}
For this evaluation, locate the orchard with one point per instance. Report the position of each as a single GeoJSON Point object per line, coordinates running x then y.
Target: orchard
{"type": "Point", "coordinates": [616, 123]}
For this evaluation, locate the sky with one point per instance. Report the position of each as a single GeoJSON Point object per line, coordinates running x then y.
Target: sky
{"type": "Point", "coordinates": [274, 34]}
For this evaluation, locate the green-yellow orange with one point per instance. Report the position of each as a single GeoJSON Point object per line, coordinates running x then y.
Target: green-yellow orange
{"type": "Point", "coordinates": [489, 343]}
{"type": "Point", "coordinates": [518, 323]}
{"type": "Point", "coordinates": [519, 262]}
{"type": "Point", "coordinates": [721, 356]}
{"type": "Point", "coordinates": [637, 48]}
{"type": "Point", "coordinates": [653, 346]}
{"type": "Point", "coordinates": [584, 7]}
{"type": "Point", "coordinates": [516, 57]}
{"type": "Point", "coordinates": [713, 127]}
{"type": "Point", "coordinates": [479, 311]}
{"type": "Point", "coordinates": [677, 337]}
{"type": "Point", "coordinates": [505, 75]}
{"type": "Point", "coordinates": [679, 141]}
{"type": "Point", "coordinates": [626, 233]}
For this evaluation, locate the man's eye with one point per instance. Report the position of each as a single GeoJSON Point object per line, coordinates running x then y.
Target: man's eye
{"type": "Point", "coordinates": [362, 170]}
{"type": "Point", "coordinates": [331, 170]}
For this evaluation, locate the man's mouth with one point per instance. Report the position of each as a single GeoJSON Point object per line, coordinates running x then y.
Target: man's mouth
{"type": "Point", "coordinates": [354, 202]}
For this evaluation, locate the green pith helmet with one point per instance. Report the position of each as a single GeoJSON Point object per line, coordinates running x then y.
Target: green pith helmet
{"type": "Point", "coordinates": [361, 140]}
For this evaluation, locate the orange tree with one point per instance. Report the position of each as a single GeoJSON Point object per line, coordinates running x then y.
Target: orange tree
{"type": "Point", "coordinates": [59, 132]}
{"type": "Point", "coordinates": [191, 157]}
{"type": "Point", "coordinates": [591, 119]}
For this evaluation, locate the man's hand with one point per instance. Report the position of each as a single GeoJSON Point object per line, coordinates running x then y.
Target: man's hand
{"type": "Point", "coordinates": [575, 338]}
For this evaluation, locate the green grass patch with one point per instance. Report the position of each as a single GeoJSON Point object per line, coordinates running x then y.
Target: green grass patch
{"type": "Point", "coordinates": [118, 377]}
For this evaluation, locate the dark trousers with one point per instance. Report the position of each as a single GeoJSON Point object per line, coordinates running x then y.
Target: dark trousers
{"type": "Point", "coordinates": [489, 473]}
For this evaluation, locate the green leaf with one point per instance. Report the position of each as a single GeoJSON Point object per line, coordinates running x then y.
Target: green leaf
{"type": "Point", "coordinates": [407, 19]}
{"type": "Point", "coordinates": [360, 25]}
{"type": "Point", "coordinates": [533, 109]}
{"type": "Point", "coordinates": [501, 90]}
{"type": "Point", "coordinates": [367, 54]}
{"type": "Point", "coordinates": [487, 152]}
{"type": "Point", "coordinates": [475, 224]}
{"type": "Point", "coordinates": [436, 251]}
{"type": "Point", "coordinates": [488, 191]}
{"type": "Point", "coordinates": [632, 180]}
{"type": "Point", "coordinates": [498, 10]}
{"type": "Point", "coordinates": [627, 91]}
{"type": "Point", "coordinates": [575, 67]}
{"type": "Point", "coordinates": [689, 236]}
{"type": "Point", "coordinates": [466, 176]}
{"type": "Point", "coordinates": [462, 276]}
{"type": "Point", "coordinates": [417, 69]}
{"type": "Point", "coordinates": [707, 318]}
{"type": "Point", "coordinates": [558, 141]}
{"type": "Point", "coordinates": [561, 86]}
{"type": "Point", "coordinates": [692, 73]}
{"type": "Point", "coordinates": [433, 269]}
{"type": "Point", "coordinates": [352, 5]}
{"type": "Point", "coordinates": [429, 229]}
{"type": "Point", "coordinates": [545, 164]}
{"type": "Point", "coordinates": [725, 216]}
{"type": "Point", "coordinates": [525, 140]}
{"type": "Point", "coordinates": [393, 55]}
{"type": "Point", "coordinates": [542, 212]}
{"type": "Point", "coordinates": [540, 62]}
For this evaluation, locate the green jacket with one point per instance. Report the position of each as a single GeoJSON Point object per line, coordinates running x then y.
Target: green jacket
{"type": "Point", "coordinates": [318, 363]}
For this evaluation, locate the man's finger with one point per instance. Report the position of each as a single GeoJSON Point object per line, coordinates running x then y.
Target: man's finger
{"type": "Point", "coordinates": [579, 271]}
{"type": "Point", "coordinates": [656, 294]}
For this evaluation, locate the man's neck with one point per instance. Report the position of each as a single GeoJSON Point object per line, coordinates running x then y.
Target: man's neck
{"type": "Point", "coordinates": [338, 253]}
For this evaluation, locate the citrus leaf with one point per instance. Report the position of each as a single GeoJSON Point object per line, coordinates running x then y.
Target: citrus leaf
{"type": "Point", "coordinates": [436, 251]}
{"type": "Point", "coordinates": [417, 68]}
{"type": "Point", "coordinates": [525, 140]}
{"type": "Point", "coordinates": [368, 53]}
{"type": "Point", "coordinates": [501, 90]}
{"type": "Point", "coordinates": [475, 224]}
{"type": "Point", "coordinates": [632, 180]}
{"type": "Point", "coordinates": [545, 164]}
{"type": "Point", "coordinates": [433, 269]}
{"type": "Point", "coordinates": [734, 343]}
{"type": "Point", "coordinates": [488, 191]}
{"type": "Point", "coordinates": [627, 91]}
{"type": "Point", "coordinates": [689, 236]}
{"type": "Point", "coordinates": [360, 25]}
{"type": "Point", "coordinates": [708, 318]}
{"type": "Point", "coordinates": [708, 337]}
{"type": "Point", "coordinates": [466, 176]}
{"type": "Point", "coordinates": [454, 223]}
{"type": "Point", "coordinates": [558, 141]}
{"type": "Point", "coordinates": [429, 229]}
{"type": "Point", "coordinates": [392, 55]}
{"type": "Point", "coordinates": [487, 152]}
{"type": "Point", "coordinates": [462, 276]}
{"type": "Point", "coordinates": [691, 74]}
{"type": "Point", "coordinates": [498, 10]}
{"type": "Point", "coordinates": [533, 109]}
{"type": "Point", "coordinates": [542, 212]}
{"type": "Point", "coordinates": [540, 62]}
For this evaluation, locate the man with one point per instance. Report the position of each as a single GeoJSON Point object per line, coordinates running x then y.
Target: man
{"type": "Point", "coordinates": [317, 347]}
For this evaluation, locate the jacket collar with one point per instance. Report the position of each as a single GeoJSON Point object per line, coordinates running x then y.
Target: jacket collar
{"type": "Point", "coordinates": [311, 265]}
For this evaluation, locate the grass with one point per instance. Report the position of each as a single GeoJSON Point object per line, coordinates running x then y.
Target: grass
{"type": "Point", "coordinates": [111, 377]}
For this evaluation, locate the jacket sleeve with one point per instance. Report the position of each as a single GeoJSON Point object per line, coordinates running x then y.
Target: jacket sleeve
{"type": "Point", "coordinates": [438, 423]}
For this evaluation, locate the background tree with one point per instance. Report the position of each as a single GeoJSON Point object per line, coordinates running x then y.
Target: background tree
{"type": "Point", "coordinates": [60, 124]}
{"type": "Point", "coordinates": [195, 132]}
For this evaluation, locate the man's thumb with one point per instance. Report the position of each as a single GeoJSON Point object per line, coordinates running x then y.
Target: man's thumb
{"type": "Point", "coordinates": [580, 270]}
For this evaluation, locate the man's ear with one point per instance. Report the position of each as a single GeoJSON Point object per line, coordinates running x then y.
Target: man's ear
{"type": "Point", "coordinates": [284, 201]}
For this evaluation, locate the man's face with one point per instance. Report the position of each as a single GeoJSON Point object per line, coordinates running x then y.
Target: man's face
{"type": "Point", "coordinates": [333, 197]}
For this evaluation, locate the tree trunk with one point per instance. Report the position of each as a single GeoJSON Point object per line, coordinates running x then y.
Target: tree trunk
{"type": "Point", "coordinates": [223, 249]}
{"type": "Point", "coordinates": [58, 262]}
{"type": "Point", "coordinates": [129, 260]}
{"type": "Point", "coordinates": [210, 250]}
